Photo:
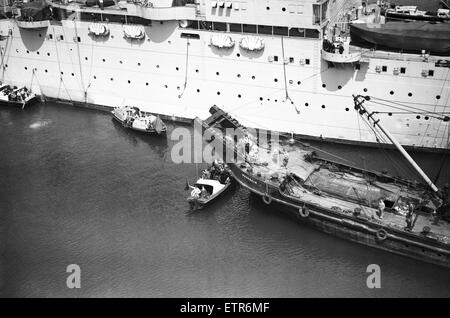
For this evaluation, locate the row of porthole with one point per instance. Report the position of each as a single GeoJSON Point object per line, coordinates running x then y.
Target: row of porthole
{"type": "Point", "coordinates": [390, 114]}
{"type": "Point", "coordinates": [253, 77]}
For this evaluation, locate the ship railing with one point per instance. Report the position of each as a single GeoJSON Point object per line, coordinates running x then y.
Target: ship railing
{"type": "Point", "coordinates": [399, 56]}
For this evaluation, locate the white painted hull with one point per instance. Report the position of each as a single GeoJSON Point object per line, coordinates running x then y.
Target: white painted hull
{"type": "Point", "coordinates": [151, 75]}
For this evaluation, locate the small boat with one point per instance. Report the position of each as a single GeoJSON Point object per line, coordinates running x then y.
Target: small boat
{"type": "Point", "coordinates": [13, 96]}
{"type": "Point", "coordinates": [411, 13]}
{"type": "Point", "coordinates": [214, 182]}
{"type": "Point", "coordinates": [133, 118]}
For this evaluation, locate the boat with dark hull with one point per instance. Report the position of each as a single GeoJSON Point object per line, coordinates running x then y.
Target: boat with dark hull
{"type": "Point", "coordinates": [134, 119]}
{"type": "Point", "coordinates": [411, 13]}
{"type": "Point", "coordinates": [367, 207]}
{"type": "Point", "coordinates": [414, 36]}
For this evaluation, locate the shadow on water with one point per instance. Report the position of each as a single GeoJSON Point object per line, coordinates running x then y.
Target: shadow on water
{"type": "Point", "coordinates": [157, 143]}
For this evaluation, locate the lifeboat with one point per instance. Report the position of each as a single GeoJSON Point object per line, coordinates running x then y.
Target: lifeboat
{"type": "Point", "coordinates": [98, 29]}
{"type": "Point", "coordinates": [134, 32]}
{"type": "Point", "coordinates": [252, 43]}
{"type": "Point", "coordinates": [222, 41]}
{"type": "Point", "coordinates": [413, 36]}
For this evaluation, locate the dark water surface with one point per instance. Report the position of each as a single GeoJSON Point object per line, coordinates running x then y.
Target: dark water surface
{"type": "Point", "coordinates": [76, 188]}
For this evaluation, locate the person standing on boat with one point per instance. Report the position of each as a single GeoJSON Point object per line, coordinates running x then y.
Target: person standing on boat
{"type": "Point", "coordinates": [444, 210]}
{"type": "Point", "coordinates": [285, 158]}
{"type": "Point", "coordinates": [247, 145]}
{"type": "Point", "coordinates": [409, 217]}
{"type": "Point", "coordinates": [204, 193]}
{"type": "Point", "coordinates": [381, 207]}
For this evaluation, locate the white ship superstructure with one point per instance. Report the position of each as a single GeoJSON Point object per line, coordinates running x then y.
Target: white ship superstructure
{"type": "Point", "coordinates": [262, 61]}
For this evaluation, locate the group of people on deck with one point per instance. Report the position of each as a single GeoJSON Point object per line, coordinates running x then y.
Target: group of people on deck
{"type": "Point", "coordinates": [14, 94]}
{"type": "Point", "coordinates": [217, 171]}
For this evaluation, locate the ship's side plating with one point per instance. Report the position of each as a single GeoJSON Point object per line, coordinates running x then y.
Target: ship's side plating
{"type": "Point", "coordinates": [176, 71]}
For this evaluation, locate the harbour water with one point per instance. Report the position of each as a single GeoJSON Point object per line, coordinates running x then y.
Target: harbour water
{"type": "Point", "coordinates": [77, 188]}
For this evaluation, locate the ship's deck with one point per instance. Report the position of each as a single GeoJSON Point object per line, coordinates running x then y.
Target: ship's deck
{"type": "Point", "coordinates": [268, 166]}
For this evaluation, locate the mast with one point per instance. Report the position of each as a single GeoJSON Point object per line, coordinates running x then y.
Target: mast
{"type": "Point", "coordinates": [362, 110]}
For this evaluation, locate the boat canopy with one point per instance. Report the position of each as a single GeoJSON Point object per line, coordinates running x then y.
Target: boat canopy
{"type": "Point", "coordinates": [215, 185]}
{"type": "Point", "coordinates": [252, 43]}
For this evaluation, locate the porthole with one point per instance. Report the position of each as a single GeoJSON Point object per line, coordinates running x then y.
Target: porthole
{"type": "Point", "coordinates": [298, 83]}
{"type": "Point", "coordinates": [17, 51]}
{"type": "Point", "coordinates": [267, 8]}
{"type": "Point", "coordinates": [365, 90]}
{"type": "Point", "coordinates": [347, 109]}
{"type": "Point", "coordinates": [62, 73]}
{"type": "Point", "coordinates": [86, 58]}
{"type": "Point", "coordinates": [409, 94]}
{"type": "Point", "coordinates": [276, 100]}
{"type": "Point", "coordinates": [198, 91]}
{"type": "Point", "coordinates": [417, 117]}
{"type": "Point", "coordinates": [120, 62]}
{"type": "Point", "coordinates": [177, 68]}
{"type": "Point", "coordinates": [324, 85]}
{"type": "Point", "coordinates": [217, 73]}
{"type": "Point", "coordinates": [73, 74]}
{"type": "Point", "coordinates": [426, 117]}
{"type": "Point", "coordinates": [95, 77]}
{"type": "Point", "coordinates": [129, 82]}
{"type": "Point", "coordinates": [391, 92]}
{"type": "Point", "coordinates": [139, 64]}
{"type": "Point", "coordinates": [157, 66]}
{"type": "Point", "coordinates": [239, 75]}
{"type": "Point", "coordinates": [389, 114]}
{"type": "Point", "coordinates": [283, 9]}
{"type": "Point", "coordinates": [306, 104]}
{"type": "Point", "coordinates": [339, 87]}
{"type": "Point", "coordinates": [238, 55]}
{"type": "Point", "coordinates": [196, 71]}
{"type": "Point", "coordinates": [146, 84]}
{"type": "Point", "coordinates": [103, 60]}
{"type": "Point", "coordinates": [438, 96]}
{"type": "Point", "coordinates": [261, 99]}
{"type": "Point", "coordinates": [112, 79]}
{"type": "Point", "coordinates": [40, 35]}
{"type": "Point", "coordinates": [28, 51]}
{"type": "Point", "coordinates": [323, 106]}
{"type": "Point", "coordinates": [26, 68]}
{"type": "Point", "coordinates": [166, 86]}
{"type": "Point", "coordinates": [46, 71]}
{"type": "Point", "coordinates": [239, 95]}
{"type": "Point", "coordinates": [48, 54]}
{"type": "Point", "coordinates": [253, 77]}
{"type": "Point", "coordinates": [218, 93]}
{"type": "Point", "coordinates": [275, 80]}
{"type": "Point", "coordinates": [37, 53]}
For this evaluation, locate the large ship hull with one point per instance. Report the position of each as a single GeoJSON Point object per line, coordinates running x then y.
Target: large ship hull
{"type": "Point", "coordinates": [176, 76]}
